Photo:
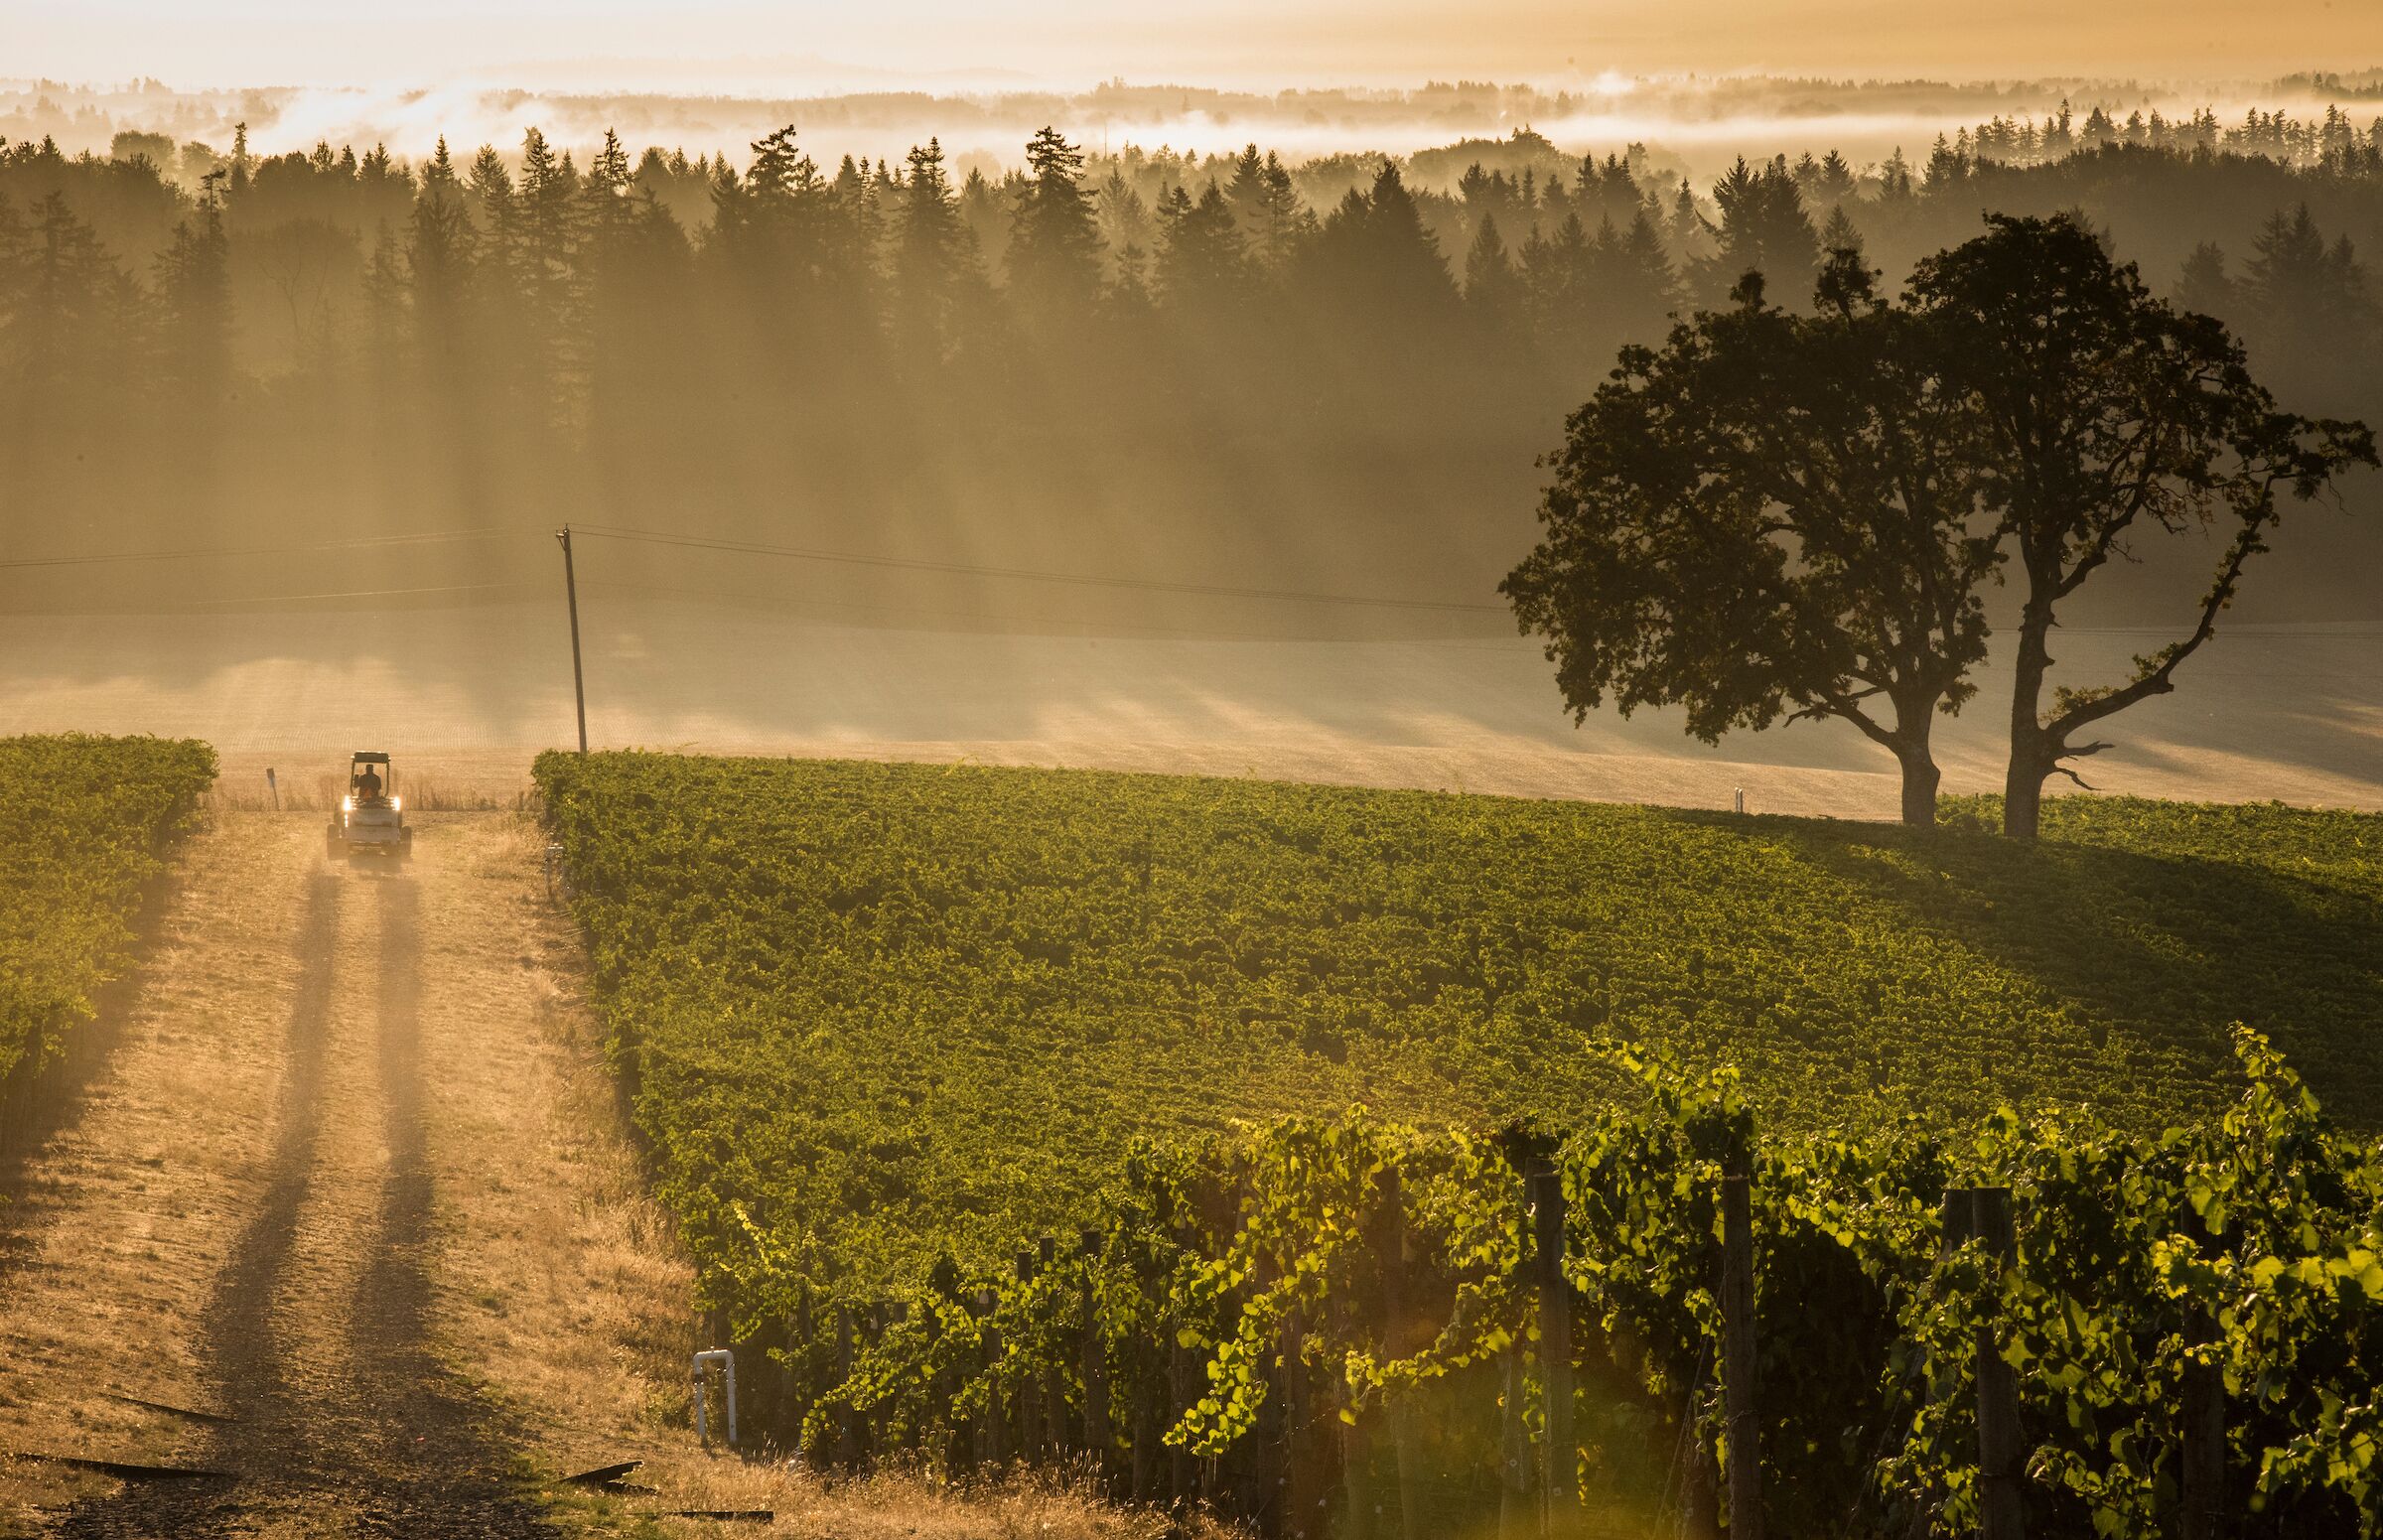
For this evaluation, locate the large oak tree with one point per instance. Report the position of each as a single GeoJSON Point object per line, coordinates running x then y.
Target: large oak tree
{"type": "Point", "coordinates": [2105, 415]}
{"type": "Point", "coordinates": [1773, 516]}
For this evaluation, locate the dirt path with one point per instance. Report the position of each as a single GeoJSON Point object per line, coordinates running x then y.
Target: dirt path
{"type": "Point", "coordinates": [355, 1176]}
{"type": "Point", "coordinates": [318, 1335]}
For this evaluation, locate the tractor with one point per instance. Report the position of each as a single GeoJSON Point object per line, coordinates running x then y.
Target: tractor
{"type": "Point", "coordinates": [371, 820]}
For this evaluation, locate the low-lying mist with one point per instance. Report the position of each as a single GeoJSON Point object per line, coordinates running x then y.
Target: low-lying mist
{"type": "Point", "coordinates": [1687, 124]}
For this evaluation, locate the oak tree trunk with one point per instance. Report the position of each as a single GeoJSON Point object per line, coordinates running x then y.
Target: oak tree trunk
{"type": "Point", "coordinates": [1921, 780]}
{"type": "Point", "coordinates": [2031, 747]}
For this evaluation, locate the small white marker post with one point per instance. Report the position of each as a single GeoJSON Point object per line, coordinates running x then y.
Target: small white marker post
{"type": "Point", "coordinates": [1741, 799]}
{"type": "Point", "coordinates": [727, 1363]}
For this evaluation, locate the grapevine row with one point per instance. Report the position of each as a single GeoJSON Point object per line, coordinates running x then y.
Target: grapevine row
{"type": "Point", "coordinates": [85, 825]}
{"type": "Point", "coordinates": [1341, 1323]}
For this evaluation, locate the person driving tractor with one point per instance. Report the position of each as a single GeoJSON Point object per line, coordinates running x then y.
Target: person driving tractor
{"type": "Point", "coordinates": [368, 786]}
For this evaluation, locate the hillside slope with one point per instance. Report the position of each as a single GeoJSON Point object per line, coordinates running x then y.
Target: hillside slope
{"type": "Point", "coordinates": [893, 1010]}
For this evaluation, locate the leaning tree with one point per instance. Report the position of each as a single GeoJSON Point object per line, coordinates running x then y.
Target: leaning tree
{"type": "Point", "coordinates": [1773, 516]}
{"type": "Point", "coordinates": [2105, 413]}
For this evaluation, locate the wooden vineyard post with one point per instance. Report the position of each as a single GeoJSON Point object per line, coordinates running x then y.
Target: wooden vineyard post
{"type": "Point", "coordinates": [1356, 1468]}
{"type": "Point", "coordinates": [1030, 1395]}
{"type": "Point", "coordinates": [1095, 1364]}
{"type": "Point", "coordinates": [1137, 1482]}
{"type": "Point", "coordinates": [1958, 1217]}
{"type": "Point", "coordinates": [2204, 1439]}
{"type": "Point", "coordinates": [1738, 1357]}
{"type": "Point", "coordinates": [2002, 1511]}
{"type": "Point", "coordinates": [1360, 1510]}
{"type": "Point", "coordinates": [1054, 1404]}
{"type": "Point", "coordinates": [1514, 1451]}
{"type": "Point", "coordinates": [1294, 1483]}
{"type": "Point", "coordinates": [873, 1422]}
{"type": "Point", "coordinates": [989, 1350]}
{"type": "Point", "coordinates": [847, 1436]}
{"type": "Point", "coordinates": [1179, 1395]}
{"type": "Point", "coordinates": [1394, 1341]}
{"type": "Point", "coordinates": [897, 1312]}
{"type": "Point", "coordinates": [791, 1372]}
{"type": "Point", "coordinates": [1561, 1493]}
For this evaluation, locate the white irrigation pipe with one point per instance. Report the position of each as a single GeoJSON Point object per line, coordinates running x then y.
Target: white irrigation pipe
{"type": "Point", "coordinates": [728, 1373]}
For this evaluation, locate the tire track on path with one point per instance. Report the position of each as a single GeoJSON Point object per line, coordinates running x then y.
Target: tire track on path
{"type": "Point", "coordinates": [347, 1423]}
{"type": "Point", "coordinates": [441, 1452]}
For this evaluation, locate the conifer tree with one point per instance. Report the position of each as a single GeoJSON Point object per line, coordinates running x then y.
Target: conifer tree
{"type": "Point", "coordinates": [2205, 287]}
{"type": "Point", "coordinates": [1492, 286]}
{"type": "Point", "coordinates": [1686, 234]}
{"type": "Point", "coordinates": [1763, 229]}
{"type": "Point", "coordinates": [985, 210]}
{"type": "Point", "coordinates": [194, 300]}
{"type": "Point", "coordinates": [1838, 233]}
{"type": "Point", "coordinates": [1559, 282]}
{"type": "Point", "coordinates": [1246, 192]}
{"type": "Point", "coordinates": [385, 305]}
{"type": "Point", "coordinates": [2306, 299]}
{"type": "Point", "coordinates": [1203, 263]}
{"type": "Point", "coordinates": [439, 175]}
{"type": "Point", "coordinates": [66, 325]}
{"type": "Point", "coordinates": [1288, 225]}
{"type": "Point", "coordinates": [1637, 283]}
{"type": "Point", "coordinates": [545, 240]}
{"type": "Point", "coordinates": [1373, 257]}
{"type": "Point", "coordinates": [1125, 224]}
{"type": "Point", "coordinates": [1054, 256]}
{"type": "Point", "coordinates": [490, 187]}
{"type": "Point", "coordinates": [1834, 181]}
{"type": "Point", "coordinates": [935, 259]}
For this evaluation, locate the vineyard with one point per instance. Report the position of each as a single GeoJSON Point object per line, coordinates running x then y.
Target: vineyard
{"type": "Point", "coordinates": [894, 1029]}
{"type": "Point", "coordinates": [84, 827]}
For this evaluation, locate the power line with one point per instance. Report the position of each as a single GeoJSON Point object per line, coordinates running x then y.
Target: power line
{"type": "Point", "coordinates": [367, 542]}
{"type": "Point", "coordinates": [366, 592]}
{"type": "Point", "coordinates": [747, 547]}
{"type": "Point", "coordinates": [2286, 631]}
{"type": "Point", "coordinates": [861, 607]}
{"type": "Point", "coordinates": [1030, 574]}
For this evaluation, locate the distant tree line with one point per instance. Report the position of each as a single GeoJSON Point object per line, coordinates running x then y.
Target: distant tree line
{"type": "Point", "coordinates": [1145, 360]}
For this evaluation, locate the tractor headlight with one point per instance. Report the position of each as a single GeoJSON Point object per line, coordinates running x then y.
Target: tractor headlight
{"type": "Point", "coordinates": [347, 805]}
{"type": "Point", "coordinates": [396, 804]}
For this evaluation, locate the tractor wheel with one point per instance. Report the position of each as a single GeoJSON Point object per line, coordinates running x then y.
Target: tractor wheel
{"type": "Point", "coordinates": [405, 844]}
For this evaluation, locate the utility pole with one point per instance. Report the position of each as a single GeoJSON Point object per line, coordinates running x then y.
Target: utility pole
{"type": "Point", "coordinates": [579, 685]}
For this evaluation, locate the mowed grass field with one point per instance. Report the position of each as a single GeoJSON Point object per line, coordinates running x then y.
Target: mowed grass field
{"type": "Point", "coordinates": [880, 1012]}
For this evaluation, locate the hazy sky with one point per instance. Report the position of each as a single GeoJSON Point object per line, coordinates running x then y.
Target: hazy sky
{"type": "Point", "coordinates": [746, 45]}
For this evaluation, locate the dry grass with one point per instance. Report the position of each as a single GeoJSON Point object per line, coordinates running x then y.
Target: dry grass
{"type": "Point", "coordinates": [114, 1235]}
{"type": "Point", "coordinates": [561, 1283]}
{"type": "Point", "coordinates": [894, 1506]}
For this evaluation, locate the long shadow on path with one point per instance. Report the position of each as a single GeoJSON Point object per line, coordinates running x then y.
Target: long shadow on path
{"type": "Point", "coordinates": [348, 1426]}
